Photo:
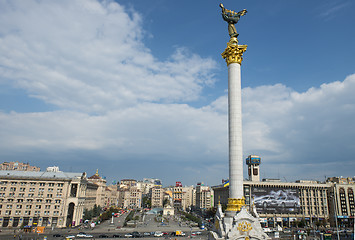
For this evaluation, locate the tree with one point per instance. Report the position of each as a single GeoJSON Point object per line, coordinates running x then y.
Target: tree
{"type": "Point", "coordinates": [87, 214]}
{"type": "Point", "coordinates": [165, 202]}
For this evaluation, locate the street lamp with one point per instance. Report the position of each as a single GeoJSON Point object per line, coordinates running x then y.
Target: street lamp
{"type": "Point", "coordinates": [335, 211]}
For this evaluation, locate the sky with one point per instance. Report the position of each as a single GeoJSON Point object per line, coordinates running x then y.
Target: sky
{"type": "Point", "coordinates": [138, 89]}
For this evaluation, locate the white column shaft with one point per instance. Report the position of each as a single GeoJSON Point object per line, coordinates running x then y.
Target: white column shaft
{"type": "Point", "coordinates": [235, 131]}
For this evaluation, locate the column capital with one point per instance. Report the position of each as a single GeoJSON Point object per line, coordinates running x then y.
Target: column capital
{"type": "Point", "coordinates": [234, 52]}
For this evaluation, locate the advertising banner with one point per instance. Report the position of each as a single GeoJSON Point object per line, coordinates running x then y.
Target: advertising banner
{"type": "Point", "coordinates": [276, 200]}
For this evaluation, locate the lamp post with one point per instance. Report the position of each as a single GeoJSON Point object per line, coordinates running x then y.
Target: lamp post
{"type": "Point", "coordinates": [335, 210]}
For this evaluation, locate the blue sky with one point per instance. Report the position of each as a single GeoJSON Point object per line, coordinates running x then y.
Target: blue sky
{"type": "Point", "coordinates": [139, 89]}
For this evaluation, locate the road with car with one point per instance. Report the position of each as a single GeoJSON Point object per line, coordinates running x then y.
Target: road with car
{"type": "Point", "coordinates": [150, 228]}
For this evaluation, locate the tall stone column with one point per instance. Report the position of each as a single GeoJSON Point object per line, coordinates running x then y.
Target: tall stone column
{"type": "Point", "coordinates": [233, 56]}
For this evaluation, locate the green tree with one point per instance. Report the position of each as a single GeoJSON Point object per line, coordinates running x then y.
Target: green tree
{"type": "Point", "coordinates": [165, 202]}
{"type": "Point", "coordinates": [87, 214]}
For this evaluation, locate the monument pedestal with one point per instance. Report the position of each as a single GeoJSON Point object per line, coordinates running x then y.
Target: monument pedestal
{"type": "Point", "coordinates": [242, 225]}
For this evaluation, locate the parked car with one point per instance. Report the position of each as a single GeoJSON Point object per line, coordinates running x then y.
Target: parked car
{"type": "Point", "coordinates": [57, 235]}
{"type": "Point", "coordinates": [158, 234]}
{"type": "Point", "coordinates": [146, 234]}
{"type": "Point", "coordinates": [103, 236]}
{"type": "Point", "coordinates": [84, 235]}
{"type": "Point", "coordinates": [128, 235]}
{"type": "Point", "coordinates": [136, 235]}
{"type": "Point", "coordinates": [116, 236]}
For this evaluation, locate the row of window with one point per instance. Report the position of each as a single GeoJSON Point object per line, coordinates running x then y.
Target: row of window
{"type": "Point", "coordinates": [30, 200]}
{"type": "Point", "coordinates": [30, 206]}
{"type": "Point", "coordinates": [32, 183]}
{"type": "Point", "coordinates": [28, 212]}
{"type": "Point", "coordinates": [22, 189]}
{"type": "Point", "coordinates": [12, 194]}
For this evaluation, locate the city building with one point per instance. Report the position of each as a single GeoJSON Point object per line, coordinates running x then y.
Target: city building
{"type": "Point", "coordinates": [129, 195]}
{"type": "Point", "coordinates": [18, 166]}
{"type": "Point", "coordinates": [341, 201]}
{"type": "Point", "coordinates": [156, 196]}
{"type": "Point", "coordinates": [204, 197]}
{"type": "Point", "coordinates": [287, 203]}
{"type": "Point", "coordinates": [51, 198]}
{"type": "Point", "coordinates": [101, 188]}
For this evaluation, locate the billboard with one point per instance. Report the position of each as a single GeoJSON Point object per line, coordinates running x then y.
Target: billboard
{"type": "Point", "coordinates": [276, 200]}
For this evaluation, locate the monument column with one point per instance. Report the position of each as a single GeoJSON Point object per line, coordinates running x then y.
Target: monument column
{"type": "Point", "coordinates": [233, 56]}
{"type": "Point", "coordinates": [237, 222]}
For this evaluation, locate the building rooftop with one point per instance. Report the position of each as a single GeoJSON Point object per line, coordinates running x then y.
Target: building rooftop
{"type": "Point", "coordinates": [30, 174]}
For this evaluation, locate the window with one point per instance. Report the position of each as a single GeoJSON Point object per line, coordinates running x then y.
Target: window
{"type": "Point", "coordinates": [56, 207]}
{"type": "Point", "coordinates": [27, 212]}
{"type": "Point", "coordinates": [19, 200]}
{"type": "Point", "coordinates": [21, 194]}
{"type": "Point", "coordinates": [49, 195]}
{"type": "Point", "coordinates": [17, 212]}
{"type": "Point", "coordinates": [11, 194]}
{"type": "Point", "coordinates": [51, 184]}
{"type": "Point", "coordinates": [60, 184]}
{"type": "Point", "coordinates": [13, 183]}
{"type": "Point", "coordinates": [37, 212]}
{"type": "Point", "coordinates": [2, 188]}
{"type": "Point", "coordinates": [42, 184]}
{"type": "Point", "coordinates": [30, 195]}
{"type": "Point", "coordinates": [28, 206]}
{"type": "Point", "coordinates": [8, 212]}
{"type": "Point", "coordinates": [50, 189]}
{"type": "Point", "coordinates": [8, 206]}
{"type": "Point", "coordinates": [41, 189]}
{"type": "Point", "coordinates": [39, 200]}
{"type": "Point", "coordinates": [38, 206]}
{"type": "Point", "coordinates": [48, 201]}
{"type": "Point", "coordinates": [57, 201]}
{"type": "Point", "coordinates": [47, 206]}
{"type": "Point", "coordinates": [18, 206]}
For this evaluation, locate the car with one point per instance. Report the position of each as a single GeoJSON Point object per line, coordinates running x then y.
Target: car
{"type": "Point", "coordinates": [70, 237]}
{"type": "Point", "coordinates": [57, 235]}
{"type": "Point", "coordinates": [286, 201]}
{"type": "Point", "coordinates": [265, 201]}
{"type": "Point", "coordinates": [103, 236]}
{"type": "Point", "coordinates": [146, 234]}
{"type": "Point", "coordinates": [158, 234]}
{"type": "Point", "coordinates": [116, 236]}
{"type": "Point", "coordinates": [136, 235]}
{"type": "Point", "coordinates": [83, 235]}
{"type": "Point", "coordinates": [128, 235]}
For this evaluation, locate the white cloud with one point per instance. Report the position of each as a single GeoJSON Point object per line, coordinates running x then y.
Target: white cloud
{"type": "Point", "coordinates": [311, 129]}
{"type": "Point", "coordinates": [89, 56]}
{"type": "Point", "coordinates": [119, 103]}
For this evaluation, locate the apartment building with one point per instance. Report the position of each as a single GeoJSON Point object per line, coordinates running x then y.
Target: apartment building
{"type": "Point", "coordinates": [204, 197]}
{"type": "Point", "coordinates": [156, 195]}
{"type": "Point", "coordinates": [129, 195]}
{"type": "Point", "coordinates": [44, 198]}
